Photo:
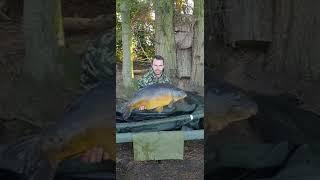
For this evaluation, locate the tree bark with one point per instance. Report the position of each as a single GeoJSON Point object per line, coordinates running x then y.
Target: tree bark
{"type": "Point", "coordinates": [43, 37]}
{"type": "Point", "coordinates": [296, 38]}
{"type": "Point", "coordinates": [248, 21]}
{"type": "Point", "coordinates": [184, 25]}
{"type": "Point", "coordinates": [127, 64]}
{"type": "Point", "coordinates": [164, 30]}
{"type": "Point", "coordinates": [58, 20]}
{"type": "Point", "coordinates": [49, 69]}
{"type": "Point", "coordinates": [197, 74]}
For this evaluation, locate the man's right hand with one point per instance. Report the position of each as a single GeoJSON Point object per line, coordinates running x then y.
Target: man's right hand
{"type": "Point", "coordinates": [141, 108]}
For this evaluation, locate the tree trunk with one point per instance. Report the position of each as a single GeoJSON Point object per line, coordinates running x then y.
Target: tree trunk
{"type": "Point", "coordinates": [184, 25]}
{"type": "Point", "coordinates": [43, 36]}
{"type": "Point", "coordinates": [248, 22]}
{"type": "Point", "coordinates": [48, 68]}
{"type": "Point", "coordinates": [58, 20]}
{"type": "Point", "coordinates": [127, 65]}
{"type": "Point", "coordinates": [296, 39]}
{"type": "Point", "coordinates": [164, 30]}
{"type": "Point", "coordinates": [184, 59]}
{"type": "Point", "coordinates": [197, 74]}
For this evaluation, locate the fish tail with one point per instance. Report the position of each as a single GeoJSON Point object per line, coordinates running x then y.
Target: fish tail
{"type": "Point", "coordinates": [25, 157]}
{"type": "Point", "coordinates": [126, 110]}
{"type": "Point", "coordinates": [44, 170]}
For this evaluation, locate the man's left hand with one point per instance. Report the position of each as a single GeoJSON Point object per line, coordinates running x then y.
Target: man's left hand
{"type": "Point", "coordinates": [141, 108]}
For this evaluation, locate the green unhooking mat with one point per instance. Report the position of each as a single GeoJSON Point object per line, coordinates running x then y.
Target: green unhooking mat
{"type": "Point", "coordinates": [189, 113]}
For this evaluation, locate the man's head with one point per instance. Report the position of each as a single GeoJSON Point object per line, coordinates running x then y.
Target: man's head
{"type": "Point", "coordinates": [158, 65]}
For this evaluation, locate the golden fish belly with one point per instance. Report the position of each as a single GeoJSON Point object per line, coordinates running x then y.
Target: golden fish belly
{"type": "Point", "coordinates": [102, 137]}
{"type": "Point", "coordinates": [153, 103]}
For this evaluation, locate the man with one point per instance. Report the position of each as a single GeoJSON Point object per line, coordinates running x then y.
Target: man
{"type": "Point", "coordinates": [154, 75]}
{"type": "Point", "coordinates": [98, 64]}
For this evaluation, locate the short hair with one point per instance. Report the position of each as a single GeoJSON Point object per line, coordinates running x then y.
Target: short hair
{"type": "Point", "coordinates": [158, 57]}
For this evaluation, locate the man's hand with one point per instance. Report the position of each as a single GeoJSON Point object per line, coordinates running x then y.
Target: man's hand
{"type": "Point", "coordinates": [141, 108]}
{"type": "Point", "coordinates": [94, 155]}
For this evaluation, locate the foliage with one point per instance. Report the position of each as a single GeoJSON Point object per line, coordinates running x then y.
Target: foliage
{"type": "Point", "coordinates": [142, 30]}
{"type": "Point", "coordinates": [183, 7]}
{"type": "Point", "coordinates": [142, 27]}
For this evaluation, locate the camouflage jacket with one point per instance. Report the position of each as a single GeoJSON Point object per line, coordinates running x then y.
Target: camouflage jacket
{"type": "Point", "coordinates": [98, 62]}
{"type": "Point", "coordinates": [150, 78]}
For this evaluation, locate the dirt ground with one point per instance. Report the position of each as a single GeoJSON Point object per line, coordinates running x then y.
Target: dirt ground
{"type": "Point", "coordinates": [192, 167]}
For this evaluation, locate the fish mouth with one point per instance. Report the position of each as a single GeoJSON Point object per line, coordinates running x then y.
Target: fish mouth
{"type": "Point", "coordinates": [181, 97]}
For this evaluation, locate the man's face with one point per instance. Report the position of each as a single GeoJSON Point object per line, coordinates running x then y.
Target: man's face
{"type": "Point", "coordinates": [157, 66]}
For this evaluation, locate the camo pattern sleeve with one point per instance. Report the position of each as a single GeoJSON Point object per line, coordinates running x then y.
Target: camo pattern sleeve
{"type": "Point", "coordinates": [150, 78]}
{"type": "Point", "coordinates": [98, 62]}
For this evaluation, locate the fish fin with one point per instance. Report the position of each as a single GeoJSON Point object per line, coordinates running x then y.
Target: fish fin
{"type": "Point", "coordinates": [25, 157]}
{"type": "Point", "coordinates": [20, 154]}
{"type": "Point", "coordinates": [45, 170]}
{"type": "Point", "coordinates": [159, 109]}
{"type": "Point", "coordinates": [126, 113]}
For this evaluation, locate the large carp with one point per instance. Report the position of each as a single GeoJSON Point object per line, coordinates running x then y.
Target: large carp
{"type": "Point", "coordinates": [89, 123]}
{"type": "Point", "coordinates": [155, 96]}
{"type": "Point", "coordinates": [224, 104]}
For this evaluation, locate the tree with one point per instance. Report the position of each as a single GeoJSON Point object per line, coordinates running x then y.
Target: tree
{"type": "Point", "coordinates": [50, 71]}
{"type": "Point", "coordinates": [295, 40]}
{"type": "Point", "coordinates": [43, 32]}
{"type": "Point", "coordinates": [142, 32]}
{"type": "Point", "coordinates": [164, 30]}
{"type": "Point", "coordinates": [197, 74]}
{"type": "Point", "coordinates": [127, 65]}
